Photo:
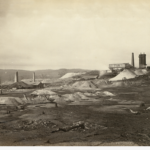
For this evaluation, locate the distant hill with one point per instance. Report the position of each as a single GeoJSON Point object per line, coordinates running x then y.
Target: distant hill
{"type": "Point", "coordinates": [8, 74]}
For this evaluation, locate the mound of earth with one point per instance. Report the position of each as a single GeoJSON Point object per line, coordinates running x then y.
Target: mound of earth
{"type": "Point", "coordinates": [81, 95]}
{"type": "Point", "coordinates": [105, 93]}
{"type": "Point", "coordinates": [69, 75]}
{"type": "Point", "coordinates": [84, 85]}
{"type": "Point", "coordinates": [74, 97]}
{"type": "Point", "coordinates": [101, 82]}
{"type": "Point", "coordinates": [10, 101]}
{"type": "Point", "coordinates": [43, 92]}
{"type": "Point", "coordinates": [99, 93]}
{"type": "Point", "coordinates": [144, 71]}
{"type": "Point", "coordinates": [89, 94]}
{"type": "Point", "coordinates": [18, 85]}
{"type": "Point", "coordinates": [15, 101]}
{"type": "Point", "coordinates": [139, 72]}
{"type": "Point", "coordinates": [70, 97]}
{"type": "Point", "coordinates": [108, 93]}
{"type": "Point", "coordinates": [125, 74]}
{"type": "Point", "coordinates": [115, 84]}
{"type": "Point", "coordinates": [119, 83]}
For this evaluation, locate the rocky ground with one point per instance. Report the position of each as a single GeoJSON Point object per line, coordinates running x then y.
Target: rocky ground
{"type": "Point", "coordinates": [119, 120]}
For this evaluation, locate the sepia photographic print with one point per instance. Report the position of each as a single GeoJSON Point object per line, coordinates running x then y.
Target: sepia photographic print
{"type": "Point", "coordinates": [74, 73]}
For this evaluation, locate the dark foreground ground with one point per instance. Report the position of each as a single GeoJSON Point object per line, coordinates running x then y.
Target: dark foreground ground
{"type": "Point", "coordinates": [104, 123]}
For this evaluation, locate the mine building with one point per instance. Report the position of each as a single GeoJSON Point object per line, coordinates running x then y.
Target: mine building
{"type": "Point", "coordinates": [35, 85]}
{"type": "Point", "coordinates": [142, 61]}
{"type": "Point", "coordinates": [119, 67]}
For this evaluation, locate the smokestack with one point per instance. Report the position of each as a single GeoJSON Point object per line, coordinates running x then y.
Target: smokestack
{"type": "Point", "coordinates": [33, 76]}
{"type": "Point", "coordinates": [16, 77]}
{"type": "Point", "coordinates": [132, 60]}
{"type": "Point", "coordinates": [140, 60]}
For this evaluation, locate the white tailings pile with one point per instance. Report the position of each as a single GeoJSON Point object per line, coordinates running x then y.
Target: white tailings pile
{"type": "Point", "coordinates": [126, 73]}
{"type": "Point", "coordinates": [108, 93]}
{"type": "Point", "coordinates": [69, 75]}
{"type": "Point", "coordinates": [105, 93]}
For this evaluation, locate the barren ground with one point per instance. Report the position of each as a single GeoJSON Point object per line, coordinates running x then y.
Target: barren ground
{"type": "Point", "coordinates": [106, 122]}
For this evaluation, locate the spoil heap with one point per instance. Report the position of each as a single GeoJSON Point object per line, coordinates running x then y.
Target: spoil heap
{"type": "Point", "coordinates": [125, 74]}
{"type": "Point", "coordinates": [119, 84]}
{"type": "Point", "coordinates": [107, 75]}
{"type": "Point", "coordinates": [15, 101]}
{"type": "Point", "coordinates": [101, 83]}
{"type": "Point", "coordinates": [17, 85]}
{"type": "Point", "coordinates": [43, 92]}
{"type": "Point", "coordinates": [74, 97]}
{"type": "Point", "coordinates": [144, 71]}
{"type": "Point", "coordinates": [139, 72]}
{"type": "Point", "coordinates": [69, 75]}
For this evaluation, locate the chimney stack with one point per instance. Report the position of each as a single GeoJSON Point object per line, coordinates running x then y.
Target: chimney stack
{"type": "Point", "coordinates": [16, 77]}
{"type": "Point", "coordinates": [33, 76]}
{"type": "Point", "coordinates": [132, 60]}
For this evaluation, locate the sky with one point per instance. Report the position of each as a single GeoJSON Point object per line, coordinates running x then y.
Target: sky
{"type": "Point", "coordinates": [86, 34]}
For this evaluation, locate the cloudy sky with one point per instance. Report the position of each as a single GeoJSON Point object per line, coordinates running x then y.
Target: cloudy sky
{"type": "Point", "coordinates": [87, 34]}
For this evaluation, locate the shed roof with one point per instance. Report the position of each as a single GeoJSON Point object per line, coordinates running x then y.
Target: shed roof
{"type": "Point", "coordinates": [32, 83]}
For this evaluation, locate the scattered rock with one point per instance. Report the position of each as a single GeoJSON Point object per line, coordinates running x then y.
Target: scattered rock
{"type": "Point", "coordinates": [134, 112]}
{"type": "Point", "coordinates": [148, 108]}
{"type": "Point", "coordinates": [79, 124]}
